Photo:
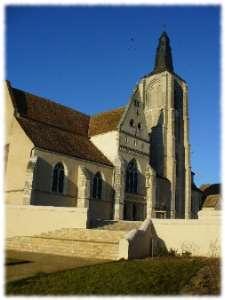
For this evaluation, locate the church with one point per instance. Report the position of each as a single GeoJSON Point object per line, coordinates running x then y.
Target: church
{"type": "Point", "coordinates": [130, 163]}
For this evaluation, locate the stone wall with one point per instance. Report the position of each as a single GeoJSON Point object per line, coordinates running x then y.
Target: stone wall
{"type": "Point", "coordinates": [101, 209]}
{"type": "Point", "coordinates": [43, 195]}
{"type": "Point", "coordinates": [22, 220]}
{"type": "Point", "coordinates": [196, 198]}
{"type": "Point", "coordinates": [165, 100]}
{"type": "Point", "coordinates": [100, 244]}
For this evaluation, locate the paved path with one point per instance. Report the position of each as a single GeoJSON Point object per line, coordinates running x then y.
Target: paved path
{"type": "Point", "coordinates": [30, 264]}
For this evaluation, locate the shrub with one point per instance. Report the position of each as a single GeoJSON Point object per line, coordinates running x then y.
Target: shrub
{"type": "Point", "coordinates": [186, 253]}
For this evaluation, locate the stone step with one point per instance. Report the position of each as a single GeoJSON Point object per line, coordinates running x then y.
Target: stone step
{"type": "Point", "coordinates": [66, 247]}
{"type": "Point", "coordinates": [101, 242]}
{"type": "Point", "coordinates": [85, 234]}
{"type": "Point", "coordinates": [118, 225]}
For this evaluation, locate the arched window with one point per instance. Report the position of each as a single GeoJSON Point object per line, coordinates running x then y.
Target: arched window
{"type": "Point", "coordinates": [97, 186]}
{"type": "Point", "coordinates": [58, 178]}
{"type": "Point", "coordinates": [132, 177]}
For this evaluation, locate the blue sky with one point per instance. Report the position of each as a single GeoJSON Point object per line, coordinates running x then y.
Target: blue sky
{"type": "Point", "coordinates": [90, 58]}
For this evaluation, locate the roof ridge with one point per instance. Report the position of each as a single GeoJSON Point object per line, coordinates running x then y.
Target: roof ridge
{"type": "Point", "coordinates": [108, 111]}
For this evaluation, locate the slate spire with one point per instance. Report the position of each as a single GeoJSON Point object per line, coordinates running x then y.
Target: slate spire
{"type": "Point", "coordinates": [163, 58]}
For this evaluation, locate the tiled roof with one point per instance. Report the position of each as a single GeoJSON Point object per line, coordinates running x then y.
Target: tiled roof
{"type": "Point", "coordinates": [49, 112]}
{"type": "Point", "coordinates": [105, 122]}
{"type": "Point", "coordinates": [212, 197]}
{"type": "Point", "coordinates": [212, 201]}
{"type": "Point", "coordinates": [210, 189]}
{"type": "Point", "coordinates": [54, 127]}
{"type": "Point", "coordinates": [60, 141]}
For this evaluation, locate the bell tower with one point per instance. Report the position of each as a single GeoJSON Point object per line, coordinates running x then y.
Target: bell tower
{"type": "Point", "coordinates": [165, 98]}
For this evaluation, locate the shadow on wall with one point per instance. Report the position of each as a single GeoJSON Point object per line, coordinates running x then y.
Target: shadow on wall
{"type": "Point", "coordinates": [156, 146]}
{"type": "Point", "coordinates": [163, 195]}
{"type": "Point", "coordinates": [179, 150]}
{"type": "Point", "coordinates": [21, 101]}
{"type": "Point", "coordinates": [101, 207]}
{"type": "Point", "coordinates": [158, 246]}
{"type": "Point", "coordinates": [41, 193]}
{"type": "Point", "coordinates": [143, 242]}
{"type": "Point", "coordinates": [135, 197]}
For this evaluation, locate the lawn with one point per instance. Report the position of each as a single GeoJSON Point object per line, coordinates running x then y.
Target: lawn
{"type": "Point", "coordinates": [157, 276]}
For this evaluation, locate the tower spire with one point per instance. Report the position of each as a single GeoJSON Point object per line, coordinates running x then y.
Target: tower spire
{"type": "Point", "coordinates": [163, 58]}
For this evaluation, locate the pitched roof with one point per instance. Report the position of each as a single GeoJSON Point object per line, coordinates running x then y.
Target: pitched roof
{"type": "Point", "coordinates": [49, 112]}
{"type": "Point", "coordinates": [54, 127]}
{"type": "Point", "coordinates": [106, 121]}
{"type": "Point", "coordinates": [212, 201]}
{"type": "Point", "coordinates": [61, 141]}
{"type": "Point", "coordinates": [210, 189]}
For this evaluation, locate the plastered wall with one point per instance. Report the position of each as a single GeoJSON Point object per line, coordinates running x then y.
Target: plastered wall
{"type": "Point", "coordinates": [29, 220]}
{"type": "Point", "coordinates": [107, 143]}
{"type": "Point", "coordinates": [19, 151]}
{"type": "Point", "coordinates": [8, 113]}
{"type": "Point", "coordinates": [201, 236]}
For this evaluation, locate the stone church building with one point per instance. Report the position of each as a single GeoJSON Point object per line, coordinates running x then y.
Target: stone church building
{"type": "Point", "coordinates": [129, 163]}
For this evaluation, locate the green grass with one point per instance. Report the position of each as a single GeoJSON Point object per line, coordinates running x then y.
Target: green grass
{"type": "Point", "coordinates": [158, 276]}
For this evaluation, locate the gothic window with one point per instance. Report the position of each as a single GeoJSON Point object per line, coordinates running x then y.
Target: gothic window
{"type": "Point", "coordinates": [132, 177]}
{"type": "Point", "coordinates": [58, 178]}
{"type": "Point", "coordinates": [97, 186]}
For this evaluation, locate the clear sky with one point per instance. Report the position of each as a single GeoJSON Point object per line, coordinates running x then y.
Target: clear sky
{"type": "Point", "coordinates": [90, 58]}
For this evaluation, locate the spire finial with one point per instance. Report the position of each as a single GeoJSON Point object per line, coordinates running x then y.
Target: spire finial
{"type": "Point", "coordinates": [163, 59]}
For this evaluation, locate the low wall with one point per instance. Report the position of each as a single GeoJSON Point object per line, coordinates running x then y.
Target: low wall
{"type": "Point", "coordinates": [201, 237]}
{"type": "Point", "coordinates": [137, 243]}
{"type": "Point", "coordinates": [23, 220]}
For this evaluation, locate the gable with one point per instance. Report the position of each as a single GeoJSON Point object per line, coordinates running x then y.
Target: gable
{"type": "Point", "coordinates": [134, 122]}
{"type": "Point", "coordinates": [9, 113]}
{"type": "Point", "coordinates": [54, 127]}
